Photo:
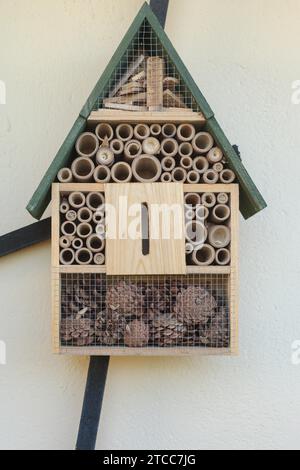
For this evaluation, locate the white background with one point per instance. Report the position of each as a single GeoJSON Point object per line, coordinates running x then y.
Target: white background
{"type": "Point", "coordinates": [244, 57]}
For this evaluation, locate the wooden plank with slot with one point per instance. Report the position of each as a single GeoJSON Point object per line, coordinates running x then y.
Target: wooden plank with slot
{"type": "Point", "coordinates": [124, 254]}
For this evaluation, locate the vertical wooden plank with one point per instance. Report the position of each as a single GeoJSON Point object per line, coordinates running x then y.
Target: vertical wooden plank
{"type": "Point", "coordinates": [234, 276]}
{"type": "Point", "coordinates": [55, 225]}
{"type": "Point", "coordinates": [92, 403]}
{"type": "Point", "coordinates": [155, 76]}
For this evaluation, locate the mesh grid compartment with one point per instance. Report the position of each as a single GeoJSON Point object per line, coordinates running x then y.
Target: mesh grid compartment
{"type": "Point", "coordinates": [147, 44]}
{"type": "Point", "coordinates": [191, 311]}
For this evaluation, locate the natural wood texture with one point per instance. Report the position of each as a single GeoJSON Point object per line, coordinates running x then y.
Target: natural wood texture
{"type": "Point", "coordinates": [170, 99]}
{"type": "Point", "coordinates": [175, 116]}
{"type": "Point", "coordinates": [124, 255]}
{"type": "Point", "coordinates": [234, 276]}
{"type": "Point", "coordinates": [131, 87]}
{"type": "Point", "coordinates": [157, 351]}
{"type": "Point", "coordinates": [155, 76]}
{"type": "Point", "coordinates": [55, 224]}
{"type": "Point", "coordinates": [131, 70]}
{"type": "Point", "coordinates": [126, 107]}
{"type": "Point", "coordinates": [127, 99]}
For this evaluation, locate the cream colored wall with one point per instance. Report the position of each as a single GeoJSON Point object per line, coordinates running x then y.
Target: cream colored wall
{"type": "Point", "coordinates": [244, 56]}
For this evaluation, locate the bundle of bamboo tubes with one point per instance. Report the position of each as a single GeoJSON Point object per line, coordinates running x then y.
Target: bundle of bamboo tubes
{"type": "Point", "coordinates": [82, 229]}
{"type": "Point", "coordinates": [147, 153]}
{"type": "Point", "coordinates": [208, 233]}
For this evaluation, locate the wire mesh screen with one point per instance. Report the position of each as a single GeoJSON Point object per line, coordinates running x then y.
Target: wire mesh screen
{"type": "Point", "coordinates": [146, 64]}
{"type": "Point", "coordinates": [145, 312]}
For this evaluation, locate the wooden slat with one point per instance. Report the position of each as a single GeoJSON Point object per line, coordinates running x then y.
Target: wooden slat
{"type": "Point", "coordinates": [124, 254]}
{"type": "Point", "coordinates": [173, 116]}
{"type": "Point", "coordinates": [155, 76]}
{"type": "Point", "coordinates": [114, 351]}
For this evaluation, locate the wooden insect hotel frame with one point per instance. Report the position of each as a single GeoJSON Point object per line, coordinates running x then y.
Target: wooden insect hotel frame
{"type": "Point", "coordinates": [146, 152]}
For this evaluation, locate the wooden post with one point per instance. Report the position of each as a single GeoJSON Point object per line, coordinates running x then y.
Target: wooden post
{"type": "Point", "coordinates": [92, 403]}
{"type": "Point", "coordinates": [155, 77]}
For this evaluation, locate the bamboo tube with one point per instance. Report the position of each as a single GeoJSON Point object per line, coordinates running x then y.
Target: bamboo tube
{"type": "Point", "coordinates": [215, 155]}
{"type": "Point", "coordinates": [210, 177]}
{"type": "Point", "coordinates": [68, 228]}
{"type": "Point", "coordinates": [168, 163]}
{"type": "Point", "coordinates": [98, 217]}
{"type": "Point", "coordinates": [189, 248]}
{"type": "Point", "coordinates": [192, 199]}
{"type": "Point", "coordinates": [223, 257]}
{"type": "Point", "coordinates": [209, 200]}
{"type": "Point", "coordinates": [121, 172]}
{"type": "Point", "coordinates": [117, 146]}
{"type": "Point", "coordinates": [87, 145]}
{"type": "Point", "coordinates": [218, 167]}
{"type": "Point", "coordinates": [179, 175]}
{"type": "Point", "coordinates": [95, 201]}
{"type": "Point", "coordinates": [85, 214]}
{"type": "Point", "coordinates": [219, 236]}
{"type": "Point", "coordinates": [71, 216]}
{"type": "Point", "coordinates": [222, 198]}
{"type": "Point", "coordinates": [65, 242]}
{"type": "Point", "coordinates": [133, 149]}
{"type": "Point", "coordinates": [141, 131]}
{"type": "Point", "coordinates": [102, 174]}
{"type": "Point", "coordinates": [186, 163]}
{"type": "Point", "coordinates": [83, 256]}
{"type": "Point", "coordinates": [227, 176]}
{"type": "Point", "coordinates": [77, 200]}
{"type": "Point", "coordinates": [185, 149]}
{"type": "Point", "coordinates": [104, 131]}
{"type": "Point", "coordinates": [100, 230]}
{"type": "Point", "coordinates": [196, 232]}
{"type": "Point", "coordinates": [166, 177]}
{"type": "Point", "coordinates": [64, 207]}
{"type": "Point", "coordinates": [204, 256]}
{"type": "Point", "coordinates": [169, 148]}
{"type": "Point", "coordinates": [105, 156]}
{"type": "Point", "coordinates": [67, 256]}
{"type": "Point", "coordinates": [203, 142]}
{"type": "Point", "coordinates": [155, 130]}
{"type": "Point", "coordinates": [193, 177]}
{"type": "Point", "coordinates": [65, 175]}
{"type": "Point", "coordinates": [95, 244]}
{"type": "Point", "coordinates": [220, 214]}
{"type": "Point", "coordinates": [168, 130]}
{"type": "Point", "coordinates": [84, 230]}
{"type": "Point", "coordinates": [189, 213]}
{"type": "Point", "coordinates": [200, 164]}
{"type": "Point", "coordinates": [202, 213]}
{"type": "Point", "coordinates": [186, 132]}
{"type": "Point", "coordinates": [83, 169]}
{"type": "Point", "coordinates": [151, 146]}
{"type": "Point", "coordinates": [77, 243]}
{"type": "Point", "coordinates": [99, 259]}
{"type": "Point", "coordinates": [146, 168]}
{"type": "Point", "coordinates": [124, 132]}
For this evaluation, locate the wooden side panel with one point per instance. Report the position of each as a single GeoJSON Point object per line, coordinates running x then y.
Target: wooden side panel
{"type": "Point", "coordinates": [166, 248]}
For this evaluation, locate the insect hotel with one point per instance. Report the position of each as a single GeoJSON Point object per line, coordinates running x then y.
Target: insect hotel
{"type": "Point", "coordinates": [146, 153]}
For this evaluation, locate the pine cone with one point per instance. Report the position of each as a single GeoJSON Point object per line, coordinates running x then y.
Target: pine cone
{"type": "Point", "coordinates": [110, 328]}
{"type": "Point", "coordinates": [79, 332]}
{"type": "Point", "coordinates": [167, 331]}
{"type": "Point", "coordinates": [217, 333]}
{"type": "Point", "coordinates": [157, 301]}
{"type": "Point", "coordinates": [125, 297]}
{"type": "Point", "coordinates": [194, 305]}
{"type": "Point", "coordinates": [136, 334]}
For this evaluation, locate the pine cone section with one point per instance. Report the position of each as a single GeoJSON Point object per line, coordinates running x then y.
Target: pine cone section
{"type": "Point", "coordinates": [162, 312]}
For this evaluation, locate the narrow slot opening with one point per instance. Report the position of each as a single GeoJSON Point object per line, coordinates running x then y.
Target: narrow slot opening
{"type": "Point", "coordinates": [145, 229]}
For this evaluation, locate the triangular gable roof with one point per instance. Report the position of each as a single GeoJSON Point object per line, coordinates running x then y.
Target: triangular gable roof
{"type": "Point", "coordinates": [251, 201]}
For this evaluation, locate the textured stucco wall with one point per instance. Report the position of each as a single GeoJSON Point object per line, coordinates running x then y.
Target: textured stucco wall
{"type": "Point", "coordinates": [244, 56]}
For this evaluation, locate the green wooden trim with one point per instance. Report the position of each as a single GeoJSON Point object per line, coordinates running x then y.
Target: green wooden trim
{"type": "Point", "coordinates": [251, 201]}
{"type": "Point", "coordinates": [42, 195]}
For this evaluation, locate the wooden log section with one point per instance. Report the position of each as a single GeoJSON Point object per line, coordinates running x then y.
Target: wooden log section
{"type": "Point", "coordinates": [155, 77]}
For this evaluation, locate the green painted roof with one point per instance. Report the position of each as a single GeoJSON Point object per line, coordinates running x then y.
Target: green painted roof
{"type": "Point", "coordinates": [251, 201]}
